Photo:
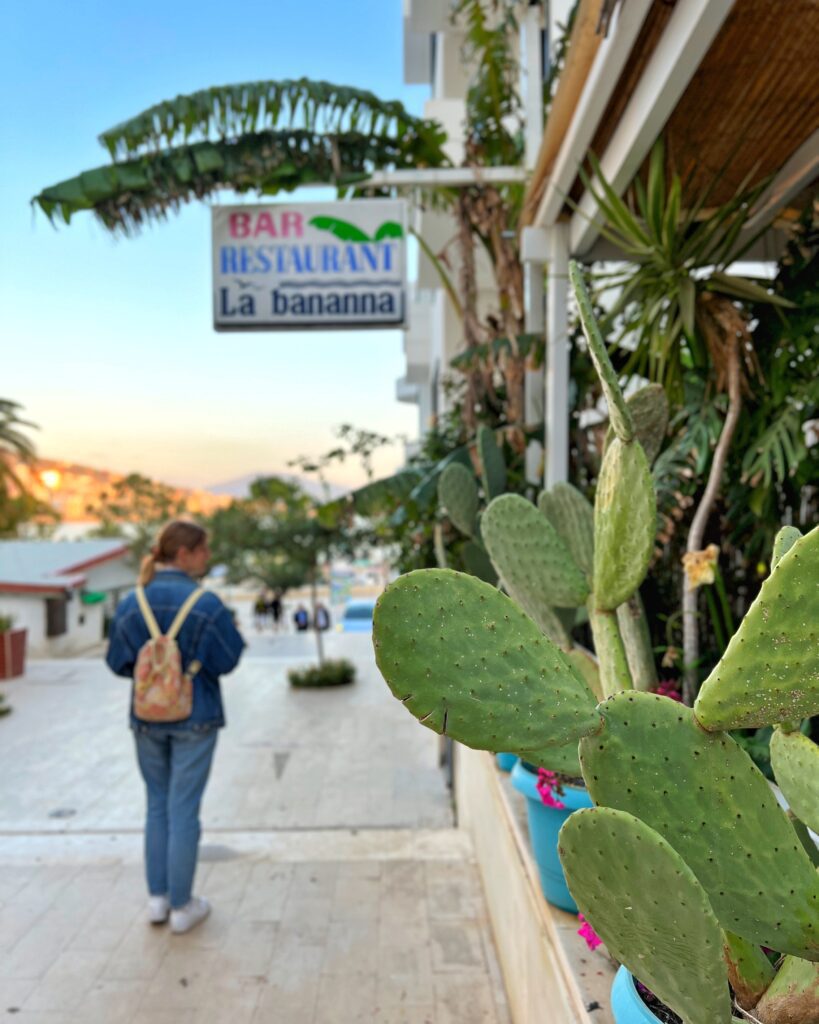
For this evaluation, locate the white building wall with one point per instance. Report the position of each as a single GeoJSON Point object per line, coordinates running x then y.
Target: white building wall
{"type": "Point", "coordinates": [84, 624]}
{"type": "Point", "coordinates": [116, 575]}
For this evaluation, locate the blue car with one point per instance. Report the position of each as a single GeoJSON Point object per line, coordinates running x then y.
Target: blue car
{"type": "Point", "coordinates": [358, 616]}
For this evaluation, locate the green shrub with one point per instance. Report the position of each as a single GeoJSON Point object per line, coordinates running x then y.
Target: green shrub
{"type": "Point", "coordinates": [331, 673]}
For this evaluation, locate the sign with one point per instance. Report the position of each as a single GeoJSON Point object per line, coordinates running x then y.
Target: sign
{"type": "Point", "coordinates": [284, 266]}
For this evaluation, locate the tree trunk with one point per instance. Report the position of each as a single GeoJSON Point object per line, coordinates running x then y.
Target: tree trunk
{"type": "Point", "coordinates": [723, 318]}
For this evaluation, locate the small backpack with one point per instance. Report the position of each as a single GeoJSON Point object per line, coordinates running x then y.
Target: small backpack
{"type": "Point", "coordinates": [162, 691]}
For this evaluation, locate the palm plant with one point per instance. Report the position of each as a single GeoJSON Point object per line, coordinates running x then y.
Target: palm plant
{"type": "Point", "coordinates": [678, 309]}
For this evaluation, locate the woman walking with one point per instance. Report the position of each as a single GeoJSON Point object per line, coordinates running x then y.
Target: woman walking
{"type": "Point", "coordinates": [175, 640]}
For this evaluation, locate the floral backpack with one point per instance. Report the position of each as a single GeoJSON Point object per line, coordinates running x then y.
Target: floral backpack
{"type": "Point", "coordinates": [163, 692]}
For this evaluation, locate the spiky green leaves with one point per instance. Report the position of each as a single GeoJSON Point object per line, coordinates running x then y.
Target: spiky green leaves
{"type": "Point", "coordinates": [571, 514]}
{"type": "Point", "coordinates": [625, 520]}
{"type": "Point", "coordinates": [646, 904]}
{"type": "Point", "coordinates": [770, 670]}
{"type": "Point", "coordinates": [467, 662]}
{"type": "Point", "coordinates": [531, 559]}
{"type": "Point", "coordinates": [619, 413]}
{"type": "Point", "coordinates": [458, 493]}
{"type": "Point", "coordinates": [795, 762]}
{"type": "Point", "coordinates": [706, 797]}
{"type": "Point", "coordinates": [493, 464]}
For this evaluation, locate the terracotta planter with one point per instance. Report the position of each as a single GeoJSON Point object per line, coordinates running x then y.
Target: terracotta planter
{"type": "Point", "coordinates": [12, 653]}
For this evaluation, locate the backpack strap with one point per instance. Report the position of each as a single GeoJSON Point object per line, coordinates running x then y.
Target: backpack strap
{"type": "Point", "coordinates": [183, 612]}
{"type": "Point", "coordinates": [147, 613]}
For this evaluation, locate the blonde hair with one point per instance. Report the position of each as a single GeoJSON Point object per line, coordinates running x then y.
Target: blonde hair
{"type": "Point", "coordinates": [181, 533]}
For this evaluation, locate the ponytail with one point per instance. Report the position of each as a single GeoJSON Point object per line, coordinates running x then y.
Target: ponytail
{"type": "Point", "coordinates": [178, 534]}
{"type": "Point", "coordinates": [147, 568]}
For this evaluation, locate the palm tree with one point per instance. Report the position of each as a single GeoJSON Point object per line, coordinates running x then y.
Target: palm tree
{"type": "Point", "coordinates": [14, 445]}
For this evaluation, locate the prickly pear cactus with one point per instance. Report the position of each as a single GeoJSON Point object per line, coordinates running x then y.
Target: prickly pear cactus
{"type": "Point", "coordinates": [477, 562]}
{"type": "Point", "coordinates": [572, 515]}
{"type": "Point", "coordinates": [770, 670]}
{"type": "Point", "coordinates": [795, 763]}
{"type": "Point", "coordinates": [458, 493]}
{"type": "Point", "coordinates": [467, 662]}
{"type": "Point", "coordinates": [620, 415]}
{"type": "Point", "coordinates": [530, 557]}
{"type": "Point", "coordinates": [625, 521]}
{"type": "Point", "coordinates": [706, 797]}
{"type": "Point", "coordinates": [783, 542]}
{"type": "Point", "coordinates": [646, 904]}
{"type": "Point", "coordinates": [649, 410]}
{"type": "Point", "coordinates": [493, 464]}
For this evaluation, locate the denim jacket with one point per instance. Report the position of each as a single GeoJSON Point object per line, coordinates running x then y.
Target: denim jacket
{"type": "Point", "coordinates": [207, 635]}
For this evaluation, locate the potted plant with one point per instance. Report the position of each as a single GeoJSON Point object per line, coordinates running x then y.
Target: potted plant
{"type": "Point", "coordinates": [686, 865]}
{"type": "Point", "coordinates": [12, 648]}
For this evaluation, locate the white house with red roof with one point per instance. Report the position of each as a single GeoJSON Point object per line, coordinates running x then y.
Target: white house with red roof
{"type": "Point", "coordinates": [60, 591]}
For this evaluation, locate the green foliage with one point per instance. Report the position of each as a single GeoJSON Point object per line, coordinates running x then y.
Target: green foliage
{"type": "Point", "coordinates": [677, 254]}
{"type": "Point", "coordinates": [136, 508]}
{"type": "Point", "coordinates": [333, 672]}
{"type": "Point", "coordinates": [572, 516]}
{"type": "Point", "coordinates": [6, 623]}
{"type": "Point", "coordinates": [275, 536]}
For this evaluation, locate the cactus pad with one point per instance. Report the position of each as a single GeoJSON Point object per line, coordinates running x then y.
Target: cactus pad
{"type": "Point", "coordinates": [493, 464]}
{"type": "Point", "coordinates": [770, 670]}
{"type": "Point", "coordinates": [458, 493]}
{"type": "Point", "coordinates": [706, 797]}
{"type": "Point", "coordinates": [571, 514]}
{"type": "Point", "coordinates": [793, 995]}
{"type": "Point", "coordinates": [467, 662]}
{"type": "Point", "coordinates": [795, 762]}
{"type": "Point", "coordinates": [619, 413]}
{"type": "Point", "coordinates": [649, 408]}
{"type": "Point", "coordinates": [783, 542]}
{"type": "Point", "coordinates": [625, 521]}
{"type": "Point", "coordinates": [649, 909]}
{"type": "Point", "coordinates": [531, 559]}
{"type": "Point", "coordinates": [477, 562]}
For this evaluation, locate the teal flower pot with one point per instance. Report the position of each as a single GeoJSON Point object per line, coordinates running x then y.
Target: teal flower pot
{"type": "Point", "coordinates": [544, 825]}
{"type": "Point", "coordinates": [506, 762]}
{"type": "Point", "coordinates": [626, 1005]}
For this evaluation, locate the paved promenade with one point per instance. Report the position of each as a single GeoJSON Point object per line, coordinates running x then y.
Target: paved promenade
{"type": "Point", "coordinates": [341, 890]}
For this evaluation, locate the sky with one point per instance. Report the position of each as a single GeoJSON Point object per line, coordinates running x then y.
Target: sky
{"type": "Point", "coordinates": [108, 343]}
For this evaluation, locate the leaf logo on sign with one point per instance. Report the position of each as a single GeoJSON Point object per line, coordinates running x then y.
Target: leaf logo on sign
{"type": "Point", "coordinates": [344, 231]}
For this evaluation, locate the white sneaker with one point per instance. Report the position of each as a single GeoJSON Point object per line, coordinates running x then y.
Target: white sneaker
{"type": "Point", "coordinates": [187, 917]}
{"type": "Point", "coordinates": [158, 909]}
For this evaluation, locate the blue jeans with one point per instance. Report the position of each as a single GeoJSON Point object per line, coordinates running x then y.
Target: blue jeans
{"type": "Point", "coordinates": [175, 764]}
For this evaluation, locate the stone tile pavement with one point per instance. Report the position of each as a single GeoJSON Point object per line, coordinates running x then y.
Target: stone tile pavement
{"type": "Point", "coordinates": [341, 890]}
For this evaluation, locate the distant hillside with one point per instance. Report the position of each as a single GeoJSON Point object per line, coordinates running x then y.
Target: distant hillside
{"type": "Point", "coordinates": [74, 489]}
{"type": "Point", "coordinates": [239, 487]}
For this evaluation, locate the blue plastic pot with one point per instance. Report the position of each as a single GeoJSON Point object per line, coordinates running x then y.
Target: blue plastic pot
{"type": "Point", "coordinates": [626, 1005]}
{"type": "Point", "coordinates": [506, 762]}
{"type": "Point", "coordinates": [544, 825]}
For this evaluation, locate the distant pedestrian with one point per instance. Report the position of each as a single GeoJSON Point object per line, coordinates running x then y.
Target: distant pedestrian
{"type": "Point", "coordinates": [275, 609]}
{"type": "Point", "coordinates": [322, 618]}
{"type": "Point", "coordinates": [260, 611]}
{"type": "Point", "coordinates": [175, 717]}
{"type": "Point", "coordinates": [301, 619]}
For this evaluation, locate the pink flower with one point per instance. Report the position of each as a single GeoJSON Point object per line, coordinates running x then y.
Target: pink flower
{"type": "Point", "coordinates": [588, 934]}
{"type": "Point", "coordinates": [668, 688]}
{"type": "Point", "coordinates": [547, 782]}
